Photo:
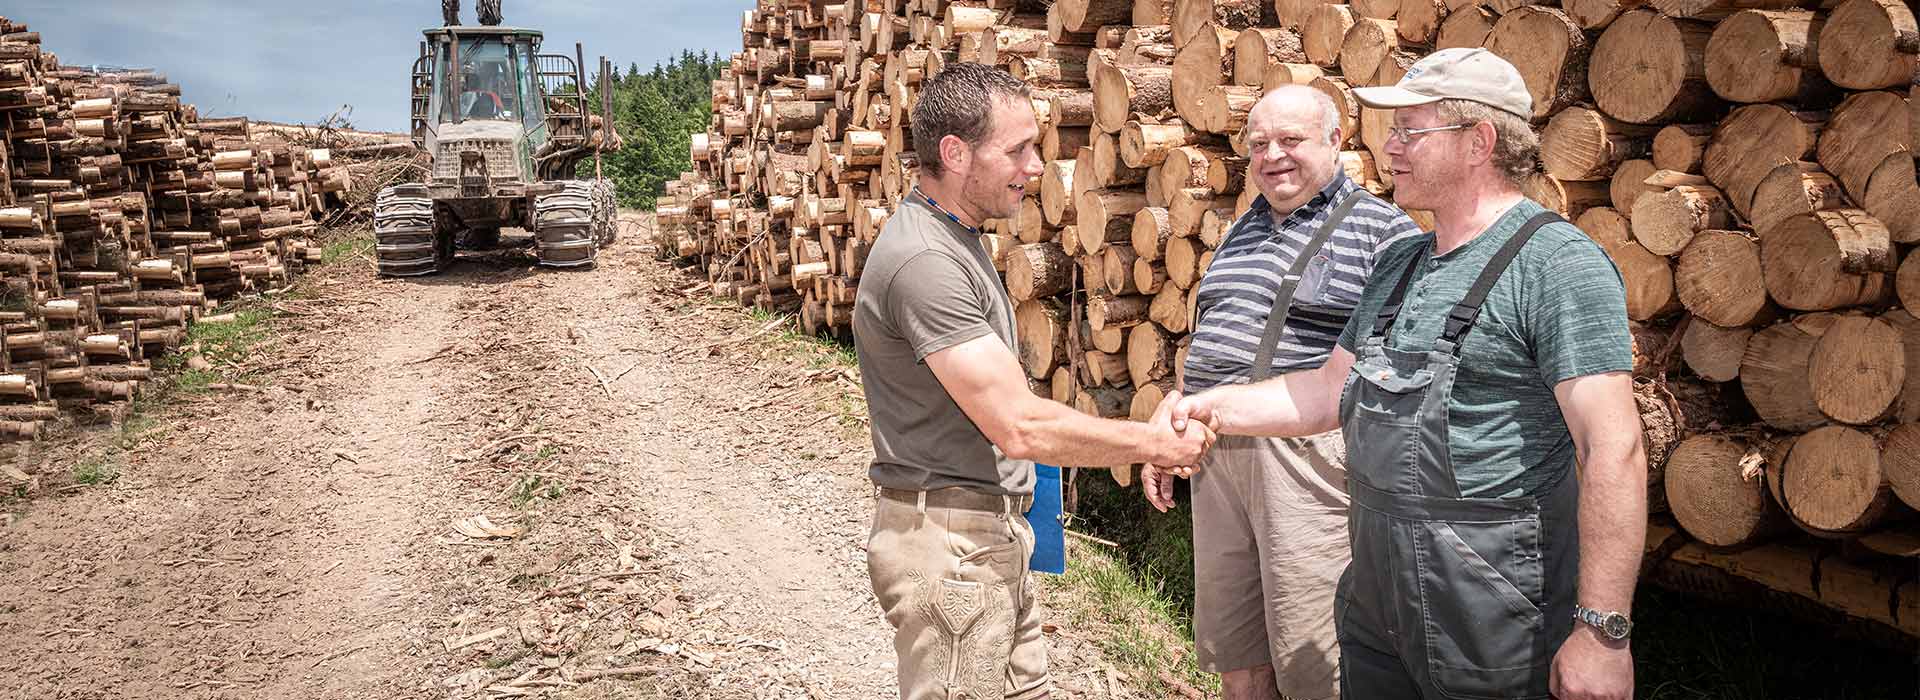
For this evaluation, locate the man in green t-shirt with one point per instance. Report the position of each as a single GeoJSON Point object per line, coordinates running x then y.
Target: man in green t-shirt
{"type": "Point", "coordinates": [1484, 387]}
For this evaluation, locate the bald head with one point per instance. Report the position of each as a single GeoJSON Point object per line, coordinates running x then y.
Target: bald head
{"type": "Point", "coordinates": [1292, 139]}
{"type": "Point", "coordinates": [1295, 104]}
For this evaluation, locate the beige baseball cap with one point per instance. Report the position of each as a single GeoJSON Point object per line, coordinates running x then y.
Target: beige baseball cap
{"type": "Point", "coordinates": [1455, 74]}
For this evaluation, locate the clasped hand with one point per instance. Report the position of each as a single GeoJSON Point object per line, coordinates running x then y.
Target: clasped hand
{"type": "Point", "coordinates": [1188, 428]}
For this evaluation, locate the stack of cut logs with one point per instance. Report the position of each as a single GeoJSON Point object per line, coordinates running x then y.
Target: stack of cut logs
{"type": "Point", "coordinates": [1749, 165]}
{"type": "Point", "coordinates": [123, 216]}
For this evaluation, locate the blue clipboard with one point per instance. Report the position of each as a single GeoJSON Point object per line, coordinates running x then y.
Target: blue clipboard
{"type": "Point", "coordinates": [1049, 526]}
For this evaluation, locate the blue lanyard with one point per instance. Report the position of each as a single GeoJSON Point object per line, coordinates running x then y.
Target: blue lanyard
{"type": "Point", "coordinates": [936, 207]}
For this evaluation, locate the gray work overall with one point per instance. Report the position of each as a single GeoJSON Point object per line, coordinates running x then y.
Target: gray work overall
{"type": "Point", "coordinates": [1447, 596]}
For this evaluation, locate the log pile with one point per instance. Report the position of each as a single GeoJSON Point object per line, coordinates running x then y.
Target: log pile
{"type": "Point", "coordinates": [123, 216]}
{"type": "Point", "coordinates": [1748, 166]}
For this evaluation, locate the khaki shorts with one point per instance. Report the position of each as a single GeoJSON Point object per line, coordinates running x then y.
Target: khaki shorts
{"type": "Point", "coordinates": [952, 579]}
{"type": "Point", "coordinates": [1269, 544]}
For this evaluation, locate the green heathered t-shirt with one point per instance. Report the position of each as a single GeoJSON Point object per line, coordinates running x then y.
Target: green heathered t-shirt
{"type": "Point", "coordinates": [1559, 312]}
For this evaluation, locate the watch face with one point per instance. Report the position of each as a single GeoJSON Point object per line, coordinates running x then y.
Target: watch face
{"type": "Point", "coordinates": [1615, 626]}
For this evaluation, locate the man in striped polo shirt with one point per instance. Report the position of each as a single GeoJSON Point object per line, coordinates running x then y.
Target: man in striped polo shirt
{"type": "Point", "coordinates": [1270, 514]}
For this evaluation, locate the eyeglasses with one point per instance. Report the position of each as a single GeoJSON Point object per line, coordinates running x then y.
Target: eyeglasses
{"type": "Point", "coordinates": [1404, 136]}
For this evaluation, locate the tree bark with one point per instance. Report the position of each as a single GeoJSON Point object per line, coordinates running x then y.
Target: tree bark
{"type": "Point", "coordinates": [1121, 92]}
{"type": "Point", "coordinates": [1089, 15]}
{"type": "Point", "coordinates": [1191, 17]}
{"type": "Point", "coordinates": [1104, 311]}
{"type": "Point", "coordinates": [1147, 145]}
{"type": "Point", "coordinates": [1259, 47]}
{"type": "Point", "coordinates": [1042, 326]}
{"type": "Point", "coordinates": [1037, 270]}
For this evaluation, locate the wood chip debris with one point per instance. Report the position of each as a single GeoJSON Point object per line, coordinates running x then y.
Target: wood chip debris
{"type": "Point", "coordinates": [479, 527]}
{"type": "Point", "coordinates": [458, 643]}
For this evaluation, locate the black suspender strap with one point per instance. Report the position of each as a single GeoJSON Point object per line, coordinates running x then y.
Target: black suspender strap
{"type": "Point", "coordinates": [1283, 297]}
{"type": "Point", "coordinates": [1461, 317]}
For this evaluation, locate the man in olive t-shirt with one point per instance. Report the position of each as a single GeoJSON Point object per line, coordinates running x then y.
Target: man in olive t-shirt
{"type": "Point", "coordinates": [955, 426]}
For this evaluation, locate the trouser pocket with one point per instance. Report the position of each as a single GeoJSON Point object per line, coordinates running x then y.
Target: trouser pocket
{"type": "Point", "coordinates": [1482, 593]}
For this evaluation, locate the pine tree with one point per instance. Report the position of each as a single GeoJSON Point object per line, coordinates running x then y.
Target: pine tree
{"type": "Point", "coordinates": [656, 113]}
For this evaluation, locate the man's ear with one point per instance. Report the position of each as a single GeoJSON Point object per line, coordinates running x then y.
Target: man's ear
{"type": "Point", "coordinates": [955, 155]}
{"type": "Point", "coordinates": [1484, 136]}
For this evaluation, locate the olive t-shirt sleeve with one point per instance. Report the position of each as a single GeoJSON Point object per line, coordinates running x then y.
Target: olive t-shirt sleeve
{"type": "Point", "coordinates": [1578, 318]}
{"type": "Point", "coordinates": [934, 306]}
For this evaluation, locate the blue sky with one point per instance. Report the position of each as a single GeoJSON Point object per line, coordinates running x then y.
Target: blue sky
{"type": "Point", "coordinates": [299, 60]}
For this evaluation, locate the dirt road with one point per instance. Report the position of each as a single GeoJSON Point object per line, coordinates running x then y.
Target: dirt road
{"type": "Point", "coordinates": [491, 483]}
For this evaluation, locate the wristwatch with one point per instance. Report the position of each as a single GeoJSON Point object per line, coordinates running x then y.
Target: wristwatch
{"type": "Point", "coordinates": [1615, 626]}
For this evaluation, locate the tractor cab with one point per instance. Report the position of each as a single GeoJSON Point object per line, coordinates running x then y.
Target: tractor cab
{"type": "Point", "coordinates": [488, 106]}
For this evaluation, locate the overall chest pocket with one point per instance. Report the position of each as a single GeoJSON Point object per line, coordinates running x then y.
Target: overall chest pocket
{"type": "Point", "coordinates": [1378, 394]}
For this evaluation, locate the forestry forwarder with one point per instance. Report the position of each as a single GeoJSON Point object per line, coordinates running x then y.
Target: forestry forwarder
{"type": "Point", "coordinates": [504, 128]}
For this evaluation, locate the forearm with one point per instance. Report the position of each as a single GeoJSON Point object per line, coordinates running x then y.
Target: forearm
{"type": "Point", "coordinates": [1287, 406]}
{"type": "Point", "coordinates": [1052, 433]}
{"type": "Point", "coordinates": [1613, 529]}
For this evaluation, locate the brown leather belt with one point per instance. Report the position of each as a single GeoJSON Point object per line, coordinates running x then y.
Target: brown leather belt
{"type": "Point", "coordinates": [962, 498]}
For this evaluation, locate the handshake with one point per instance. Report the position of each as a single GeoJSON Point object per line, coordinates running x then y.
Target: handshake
{"type": "Point", "coordinates": [1184, 429]}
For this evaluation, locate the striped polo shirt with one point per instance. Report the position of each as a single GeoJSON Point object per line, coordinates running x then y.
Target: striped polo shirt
{"type": "Point", "coordinates": [1237, 291]}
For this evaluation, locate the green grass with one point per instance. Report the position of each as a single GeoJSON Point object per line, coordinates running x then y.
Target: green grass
{"type": "Point", "coordinates": [347, 247]}
{"type": "Point", "coordinates": [533, 487]}
{"type": "Point", "coordinates": [1139, 626]}
{"type": "Point", "coordinates": [224, 345]}
{"type": "Point", "coordinates": [96, 470]}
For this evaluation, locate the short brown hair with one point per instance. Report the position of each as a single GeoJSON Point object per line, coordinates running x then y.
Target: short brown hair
{"type": "Point", "coordinates": [1516, 147]}
{"type": "Point", "coordinates": [951, 103]}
